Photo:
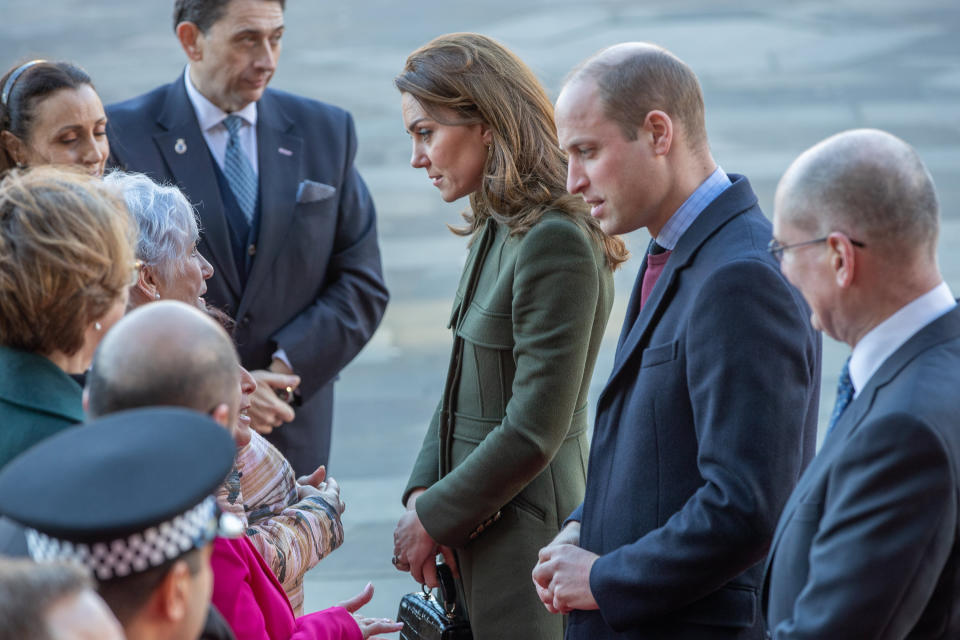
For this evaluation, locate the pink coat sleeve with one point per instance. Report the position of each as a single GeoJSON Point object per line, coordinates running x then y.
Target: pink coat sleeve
{"type": "Point", "coordinates": [334, 623]}
{"type": "Point", "coordinates": [255, 607]}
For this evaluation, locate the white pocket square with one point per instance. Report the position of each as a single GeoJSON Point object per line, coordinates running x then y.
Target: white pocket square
{"type": "Point", "coordinates": [310, 191]}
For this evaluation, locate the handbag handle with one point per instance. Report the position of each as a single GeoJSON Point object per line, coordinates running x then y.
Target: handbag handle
{"type": "Point", "coordinates": [448, 589]}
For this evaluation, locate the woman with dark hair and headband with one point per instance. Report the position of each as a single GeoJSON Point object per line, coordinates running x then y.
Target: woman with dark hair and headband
{"type": "Point", "coordinates": [51, 114]}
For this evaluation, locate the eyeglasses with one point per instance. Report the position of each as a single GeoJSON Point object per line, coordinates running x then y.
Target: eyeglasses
{"type": "Point", "coordinates": [777, 249]}
{"type": "Point", "coordinates": [135, 273]}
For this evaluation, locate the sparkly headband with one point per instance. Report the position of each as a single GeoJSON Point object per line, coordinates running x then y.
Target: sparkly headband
{"type": "Point", "coordinates": [141, 551]}
{"type": "Point", "coordinates": [13, 78]}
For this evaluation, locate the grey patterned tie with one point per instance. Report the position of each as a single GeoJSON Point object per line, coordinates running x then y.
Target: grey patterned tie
{"type": "Point", "coordinates": [844, 395]}
{"type": "Point", "coordinates": [237, 169]}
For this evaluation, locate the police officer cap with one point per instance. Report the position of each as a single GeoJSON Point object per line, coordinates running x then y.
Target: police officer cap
{"type": "Point", "coordinates": [122, 494]}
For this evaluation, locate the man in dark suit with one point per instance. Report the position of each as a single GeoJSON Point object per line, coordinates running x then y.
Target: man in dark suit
{"type": "Point", "coordinates": [288, 223]}
{"type": "Point", "coordinates": [709, 416]}
{"type": "Point", "coordinates": [868, 544]}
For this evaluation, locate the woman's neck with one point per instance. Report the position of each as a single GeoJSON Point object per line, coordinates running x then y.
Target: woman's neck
{"type": "Point", "coordinates": [76, 363]}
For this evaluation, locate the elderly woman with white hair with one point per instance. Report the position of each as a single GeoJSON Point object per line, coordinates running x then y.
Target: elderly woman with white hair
{"type": "Point", "coordinates": [292, 522]}
{"type": "Point", "coordinates": [172, 269]}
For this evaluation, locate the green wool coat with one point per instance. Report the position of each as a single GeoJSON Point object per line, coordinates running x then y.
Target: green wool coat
{"type": "Point", "coordinates": [37, 400]}
{"type": "Point", "coordinates": [505, 456]}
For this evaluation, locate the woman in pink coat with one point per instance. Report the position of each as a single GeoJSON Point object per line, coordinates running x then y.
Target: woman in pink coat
{"type": "Point", "coordinates": [250, 598]}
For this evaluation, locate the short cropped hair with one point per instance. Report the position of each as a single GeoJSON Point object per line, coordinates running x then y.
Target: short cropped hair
{"type": "Point", "coordinates": [28, 590]}
{"type": "Point", "coordinates": [869, 184]}
{"type": "Point", "coordinates": [193, 362]}
{"type": "Point", "coordinates": [66, 254]}
{"type": "Point", "coordinates": [28, 90]}
{"type": "Point", "coordinates": [204, 13]}
{"type": "Point", "coordinates": [168, 223]}
{"type": "Point", "coordinates": [648, 79]}
{"type": "Point", "coordinates": [126, 596]}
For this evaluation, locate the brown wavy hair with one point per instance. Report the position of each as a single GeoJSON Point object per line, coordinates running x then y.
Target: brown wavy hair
{"type": "Point", "coordinates": [525, 173]}
{"type": "Point", "coordinates": [66, 251]}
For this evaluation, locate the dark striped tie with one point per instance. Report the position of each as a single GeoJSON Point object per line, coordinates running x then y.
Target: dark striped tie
{"type": "Point", "coordinates": [237, 169]}
{"type": "Point", "coordinates": [844, 395]}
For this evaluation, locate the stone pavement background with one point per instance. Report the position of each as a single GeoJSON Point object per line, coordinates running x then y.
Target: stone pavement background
{"type": "Point", "coordinates": [777, 76]}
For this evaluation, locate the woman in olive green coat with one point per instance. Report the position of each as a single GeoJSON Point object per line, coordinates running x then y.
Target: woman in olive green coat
{"type": "Point", "coordinates": [504, 460]}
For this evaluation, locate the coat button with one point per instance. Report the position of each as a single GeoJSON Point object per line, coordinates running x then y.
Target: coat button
{"type": "Point", "coordinates": [252, 250]}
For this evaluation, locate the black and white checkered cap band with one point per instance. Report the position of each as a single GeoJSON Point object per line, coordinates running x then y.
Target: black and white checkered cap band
{"type": "Point", "coordinates": [136, 553]}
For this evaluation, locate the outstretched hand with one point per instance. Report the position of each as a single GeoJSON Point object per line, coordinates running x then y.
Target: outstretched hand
{"type": "Point", "coordinates": [369, 626]}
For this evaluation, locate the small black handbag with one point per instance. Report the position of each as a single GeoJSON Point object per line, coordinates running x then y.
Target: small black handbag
{"type": "Point", "coordinates": [425, 617]}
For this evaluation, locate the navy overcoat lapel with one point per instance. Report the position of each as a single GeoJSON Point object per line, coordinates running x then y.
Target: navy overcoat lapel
{"type": "Point", "coordinates": [186, 154]}
{"type": "Point", "coordinates": [633, 306]}
{"type": "Point", "coordinates": [279, 153]}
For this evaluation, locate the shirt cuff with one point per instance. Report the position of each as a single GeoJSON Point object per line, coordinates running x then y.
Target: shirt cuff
{"type": "Point", "coordinates": [281, 355]}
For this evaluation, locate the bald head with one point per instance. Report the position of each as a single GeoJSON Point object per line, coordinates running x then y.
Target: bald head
{"type": "Point", "coordinates": [868, 184]}
{"type": "Point", "coordinates": [634, 78]}
{"type": "Point", "coordinates": [165, 353]}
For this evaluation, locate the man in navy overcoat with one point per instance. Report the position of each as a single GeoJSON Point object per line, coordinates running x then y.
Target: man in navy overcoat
{"type": "Point", "coordinates": [710, 413]}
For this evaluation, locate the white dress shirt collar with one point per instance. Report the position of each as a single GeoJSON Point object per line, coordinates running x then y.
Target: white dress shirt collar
{"type": "Point", "coordinates": [888, 336]}
{"type": "Point", "coordinates": [210, 118]}
{"type": "Point", "coordinates": [210, 115]}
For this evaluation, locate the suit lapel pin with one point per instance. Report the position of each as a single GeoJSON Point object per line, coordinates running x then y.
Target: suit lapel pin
{"type": "Point", "coordinates": [285, 152]}
{"type": "Point", "coordinates": [180, 146]}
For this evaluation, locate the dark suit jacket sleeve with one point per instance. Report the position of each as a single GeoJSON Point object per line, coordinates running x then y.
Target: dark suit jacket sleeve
{"type": "Point", "coordinates": [555, 293]}
{"type": "Point", "coordinates": [325, 336]}
{"type": "Point", "coordinates": [884, 536]}
{"type": "Point", "coordinates": [748, 354]}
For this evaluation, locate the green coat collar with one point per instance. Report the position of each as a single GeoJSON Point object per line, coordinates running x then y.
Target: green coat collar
{"type": "Point", "coordinates": [32, 381]}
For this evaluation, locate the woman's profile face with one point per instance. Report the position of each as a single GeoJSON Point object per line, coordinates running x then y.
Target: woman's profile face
{"type": "Point", "coordinates": [453, 155]}
{"type": "Point", "coordinates": [247, 386]}
{"type": "Point", "coordinates": [187, 282]}
{"type": "Point", "coordinates": [69, 128]}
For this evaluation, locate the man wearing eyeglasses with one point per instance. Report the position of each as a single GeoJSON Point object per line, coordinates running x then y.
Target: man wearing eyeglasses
{"type": "Point", "coordinates": [868, 546]}
{"type": "Point", "coordinates": [710, 413]}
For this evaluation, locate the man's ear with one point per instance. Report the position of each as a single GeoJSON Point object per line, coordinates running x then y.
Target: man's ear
{"type": "Point", "coordinates": [172, 596]}
{"type": "Point", "coordinates": [842, 259]}
{"type": "Point", "coordinates": [14, 146]}
{"type": "Point", "coordinates": [659, 127]}
{"type": "Point", "coordinates": [221, 415]}
{"type": "Point", "coordinates": [191, 40]}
